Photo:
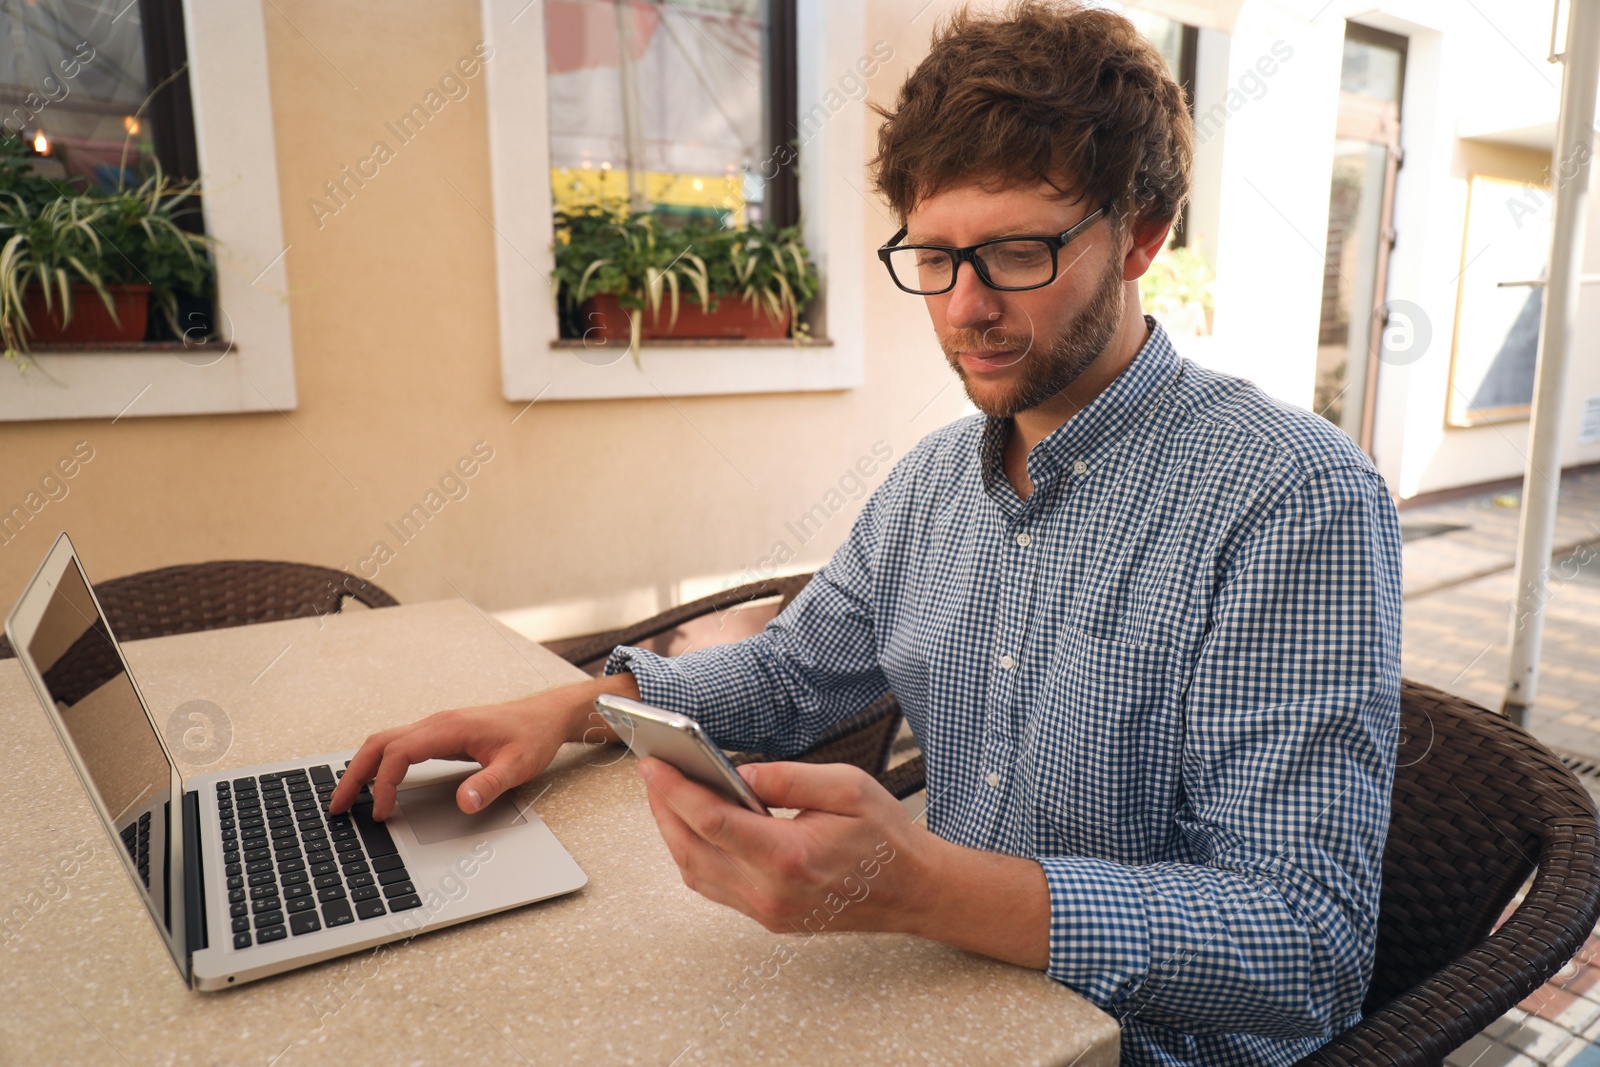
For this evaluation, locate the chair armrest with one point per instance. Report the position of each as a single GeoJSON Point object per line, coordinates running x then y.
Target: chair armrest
{"type": "Point", "coordinates": [906, 778]}
{"type": "Point", "coordinates": [1430, 1020]}
{"type": "Point", "coordinates": [599, 646]}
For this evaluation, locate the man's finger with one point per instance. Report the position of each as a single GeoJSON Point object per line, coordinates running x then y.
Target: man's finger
{"type": "Point", "coordinates": [841, 788]}
{"type": "Point", "coordinates": [719, 820]}
{"type": "Point", "coordinates": [363, 765]}
{"type": "Point", "coordinates": [674, 831]}
{"type": "Point", "coordinates": [423, 743]}
{"type": "Point", "coordinates": [480, 790]}
{"type": "Point", "coordinates": [706, 869]}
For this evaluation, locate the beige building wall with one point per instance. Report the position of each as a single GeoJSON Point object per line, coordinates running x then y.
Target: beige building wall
{"type": "Point", "coordinates": [606, 510]}
{"type": "Point", "coordinates": [594, 513]}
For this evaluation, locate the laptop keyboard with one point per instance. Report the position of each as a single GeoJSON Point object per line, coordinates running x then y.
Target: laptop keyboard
{"type": "Point", "coordinates": [294, 869]}
{"type": "Point", "coordinates": [136, 838]}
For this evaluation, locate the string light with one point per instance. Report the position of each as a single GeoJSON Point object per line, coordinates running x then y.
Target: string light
{"type": "Point", "coordinates": [41, 143]}
{"type": "Point", "coordinates": [130, 124]}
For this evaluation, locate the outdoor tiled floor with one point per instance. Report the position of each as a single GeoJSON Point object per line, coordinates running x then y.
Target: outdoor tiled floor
{"type": "Point", "coordinates": [1459, 588]}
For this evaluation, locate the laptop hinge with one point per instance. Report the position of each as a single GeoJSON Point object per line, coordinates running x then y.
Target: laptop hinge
{"type": "Point", "coordinates": [194, 894]}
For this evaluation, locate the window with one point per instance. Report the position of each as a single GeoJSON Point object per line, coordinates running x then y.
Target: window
{"type": "Point", "coordinates": [674, 108]}
{"type": "Point", "coordinates": [101, 95]}
{"type": "Point", "coordinates": [678, 111]}
{"type": "Point", "coordinates": [830, 66]}
{"type": "Point", "coordinates": [161, 51]}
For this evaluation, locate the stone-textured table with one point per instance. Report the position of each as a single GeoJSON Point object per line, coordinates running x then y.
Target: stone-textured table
{"type": "Point", "coordinates": [634, 968]}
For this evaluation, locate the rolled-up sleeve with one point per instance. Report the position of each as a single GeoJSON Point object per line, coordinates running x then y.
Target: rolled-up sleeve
{"type": "Point", "coordinates": [1292, 717]}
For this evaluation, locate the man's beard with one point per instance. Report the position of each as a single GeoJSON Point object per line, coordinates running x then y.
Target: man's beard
{"type": "Point", "coordinates": [1045, 371]}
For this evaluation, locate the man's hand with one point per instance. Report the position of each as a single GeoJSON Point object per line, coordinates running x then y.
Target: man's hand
{"type": "Point", "coordinates": [513, 741]}
{"type": "Point", "coordinates": [851, 842]}
{"type": "Point", "coordinates": [851, 860]}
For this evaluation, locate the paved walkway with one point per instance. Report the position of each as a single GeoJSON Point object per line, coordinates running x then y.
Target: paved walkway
{"type": "Point", "coordinates": [1459, 587]}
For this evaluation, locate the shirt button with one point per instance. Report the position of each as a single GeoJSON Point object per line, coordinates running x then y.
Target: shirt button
{"type": "Point", "coordinates": [1024, 540]}
{"type": "Point", "coordinates": [993, 779]}
{"type": "Point", "coordinates": [1080, 467]}
{"type": "Point", "coordinates": [1006, 663]}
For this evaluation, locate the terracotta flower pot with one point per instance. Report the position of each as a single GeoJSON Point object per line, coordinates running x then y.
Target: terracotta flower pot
{"type": "Point", "coordinates": [91, 323]}
{"type": "Point", "coordinates": [606, 322]}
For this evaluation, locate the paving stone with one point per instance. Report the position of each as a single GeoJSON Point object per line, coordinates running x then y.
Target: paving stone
{"type": "Point", "coordinates": [1562, 1007]}
{"type": "Point", "coordinates": [1582, 979]}
{"type": "Point", "coordinates": [1578, 1054]}
{"type": "Point", "coordinates": [1507, 1023]}
{"type": "Point", "coordinates": [1537, 1039]}
{"type": "Point", "coordinates": [1482, 1052]}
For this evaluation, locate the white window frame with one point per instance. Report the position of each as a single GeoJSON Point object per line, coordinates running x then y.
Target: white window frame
{"type": "Point", "coordinates": [830, 40]}
{"type": "Point", "coordinates": [252, 369]}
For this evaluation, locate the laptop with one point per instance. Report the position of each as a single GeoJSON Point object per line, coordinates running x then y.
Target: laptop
{"type": "Point", "coordinates": [244, 872]}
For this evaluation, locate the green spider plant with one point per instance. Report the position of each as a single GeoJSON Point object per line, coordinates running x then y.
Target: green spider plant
{"type": "Point", "coordinates": [627, 257]}
{"type": "Point", "coordinates": [97, 239]}
{"type": "Point", "coordinates": [640, 260]}
{"type": "Point", "coordinates": [772, 271]}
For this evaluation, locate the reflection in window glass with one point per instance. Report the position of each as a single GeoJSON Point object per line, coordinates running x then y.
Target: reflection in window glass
{"type": "Point", "coordinates": [72, 82]}
{"type": "Point", "coordinates": [662, 106]}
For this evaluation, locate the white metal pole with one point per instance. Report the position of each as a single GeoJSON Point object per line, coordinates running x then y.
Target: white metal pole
{"type": "Point", "coordinates": [1541, 479]}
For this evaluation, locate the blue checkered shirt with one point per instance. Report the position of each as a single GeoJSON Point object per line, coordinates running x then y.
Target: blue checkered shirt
{"type": "Point", "coordinates": [1171, 676]}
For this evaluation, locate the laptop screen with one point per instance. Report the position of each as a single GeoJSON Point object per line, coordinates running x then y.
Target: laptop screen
{"type": "Point", "coordinates": [119, 755]}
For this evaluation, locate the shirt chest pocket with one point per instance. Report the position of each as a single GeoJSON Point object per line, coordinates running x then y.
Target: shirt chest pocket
{"type": "Point", "coordinates": [1103, 748]}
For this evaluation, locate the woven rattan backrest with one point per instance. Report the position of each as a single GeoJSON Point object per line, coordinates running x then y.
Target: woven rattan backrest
{"type": "Point", "coordinates": [1474, 800]}
{"type": "Point", "coordinates": [210, 596]}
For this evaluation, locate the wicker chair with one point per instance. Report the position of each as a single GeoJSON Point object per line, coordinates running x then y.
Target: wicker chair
{"type": "Point", "coordinates": [210, 596]}
{"type": "Point", "coordinates": [594, 648]}
{"type": "Point", "coordinates": [1478, 806]}
{"type": "Point", "coordinates": [907, 778]}
{"type": "Point", "coordinates": [864, 739]}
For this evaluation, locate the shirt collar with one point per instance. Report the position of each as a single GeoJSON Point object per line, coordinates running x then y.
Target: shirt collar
{"type": "Point", "coordinates": [1106, 417]}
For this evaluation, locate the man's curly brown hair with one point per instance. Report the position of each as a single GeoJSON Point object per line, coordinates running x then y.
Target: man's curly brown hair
{"type": "Point", "coordinates": [1050, 90]}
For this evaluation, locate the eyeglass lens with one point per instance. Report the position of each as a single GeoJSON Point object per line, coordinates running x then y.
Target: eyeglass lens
{"type": "Point", "coordinates": [1007, 263]}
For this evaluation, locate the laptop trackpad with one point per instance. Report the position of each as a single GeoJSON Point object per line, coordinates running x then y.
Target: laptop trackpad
{"type": "Point", "coordinates": [432, 812]}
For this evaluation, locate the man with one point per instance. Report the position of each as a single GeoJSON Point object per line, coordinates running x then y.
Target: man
{"type": "Point", "coordinates": [1143, 619]}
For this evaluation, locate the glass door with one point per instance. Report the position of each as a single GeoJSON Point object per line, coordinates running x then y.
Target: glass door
{"type": "Point", "coordinates": [1366, 162]}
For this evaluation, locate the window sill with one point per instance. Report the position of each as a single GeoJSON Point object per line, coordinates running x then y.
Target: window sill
{"type": "Point", "coordinates": [202, 353]}
{"type": "Point", "coordinates": [140, 379]}
{"type": "Point", "coordinates": [704, 342]}
{"type": "Point", "coordinates": [573, 370]}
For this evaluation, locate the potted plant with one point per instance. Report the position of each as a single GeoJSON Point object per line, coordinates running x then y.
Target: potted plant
{"type": "Point", "coordinates": [615, 269]}
{"type": "Point", "coordinates": [81, 267]}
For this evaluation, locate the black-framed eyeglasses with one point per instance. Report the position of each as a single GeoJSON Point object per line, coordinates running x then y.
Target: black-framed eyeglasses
{"type": "Point", "coordinates": [1010, 264]}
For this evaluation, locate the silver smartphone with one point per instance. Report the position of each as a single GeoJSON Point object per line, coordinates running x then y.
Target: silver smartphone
{"type": "Point", "coordinates": [678, 740]}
